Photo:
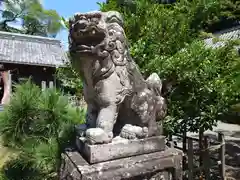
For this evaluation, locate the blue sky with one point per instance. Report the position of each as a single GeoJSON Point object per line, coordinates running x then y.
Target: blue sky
{"type": "Point", "coordinates": [67, 8]}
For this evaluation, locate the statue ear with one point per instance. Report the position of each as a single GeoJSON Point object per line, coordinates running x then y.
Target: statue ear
{"type": "Point", "coordinates": [114, 17]}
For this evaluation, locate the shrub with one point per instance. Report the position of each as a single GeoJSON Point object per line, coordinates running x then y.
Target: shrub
{"type": "Point", "coordinates": [200, 84]}
{"type": "Point", "coordinates": [20, 114]}
{"type": "Point", "coordinates": [20, 168]}
{"type": "Point", "coordinates": [204, 85]}
{"type": "Point", "coordinates": [69, 79]}
{"type": "Point", "coordinates": [39, 125]}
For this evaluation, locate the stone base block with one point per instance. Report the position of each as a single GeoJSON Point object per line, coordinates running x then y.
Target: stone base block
{"type": "Point", "coordinates": [119, 148]}
{"type": "Point", "coordinates": [163, 165]}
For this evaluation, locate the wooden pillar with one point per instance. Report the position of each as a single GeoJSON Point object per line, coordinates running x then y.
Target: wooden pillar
{"type": "Point", "coordinates": [10, 81]}
{"type": "Point", "coordinates": [51, 85]}
{"type": "Point", "coordinates": [222, 156]}
{"type": "Point", "coordinates": [200, 145]}
{"type": "Point", "coordinates": [7, 82]}
{"type": "Point", "coordinates": [43, 85]}
{"type": "Point", "coordinates": [206, 159]}
{"type": "Point", "coordinates": [190, 159]}
{"type": "Point", "coordinates": [184, 160]}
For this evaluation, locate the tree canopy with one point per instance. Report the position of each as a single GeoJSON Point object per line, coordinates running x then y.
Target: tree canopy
{"type": "Point", "coordinates": [33, 18]}
{"type": "Point", "coordinates": [226, 14]}
{"type": "Point", "coordinates": [200, 83]}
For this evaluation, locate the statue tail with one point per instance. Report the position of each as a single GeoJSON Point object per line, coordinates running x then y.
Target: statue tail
{"type": "Point", "coordinates": [155, 84]}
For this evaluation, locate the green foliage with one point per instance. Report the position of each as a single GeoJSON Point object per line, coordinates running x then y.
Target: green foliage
{"type": "Point", "coordinates": [19, 167]}
{"type": "Point", "coordinates": [65, 22]}
{"type": "Point", "coordinates": [162, 28]}
{"type": "Point", "coordinates": [37, 161]}
{"type": "Point", "coordinates": [20, 114]}
{"type": "Point", "coordinates": [39, 125]}
{"type": "Point", "coordinates": [200, 84]}
{"type": "Point", "coordinates": [35, 19]}
{"type": "Point", "coordinates": [223, 14]}
{"type": "Point", "coordinates": [70, 79]}
{"type": "Point", "coordinates": [203, 85]}
{"type": "Point", "coordinates": [227, 16]}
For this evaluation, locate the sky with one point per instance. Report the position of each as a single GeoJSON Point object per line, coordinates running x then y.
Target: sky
{"type": "Point", "coordinates": [68, 8]}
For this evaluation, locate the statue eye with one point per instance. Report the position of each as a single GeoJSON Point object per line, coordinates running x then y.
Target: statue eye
{"type": "Point", "coordinates": [82, 18]}
{"type": "Point", "coordinates": [95, 20]}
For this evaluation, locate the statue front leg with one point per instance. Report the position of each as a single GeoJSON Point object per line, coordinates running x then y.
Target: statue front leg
{"type": "Point", "coordinates": [106, 97]}
{"type": "Point", "coordinates": [106, 119]}
{"type": "Point", "coordinates": [91, 116]}
{"type": "Point", "coordinates": [103, 131]}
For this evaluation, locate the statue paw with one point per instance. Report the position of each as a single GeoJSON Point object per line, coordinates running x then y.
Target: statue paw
{"type": "Point", "coordinates": [128, 133]}
{"type": "Point", "coordinates": [132, 132]}
{"type": "Point", "coordinates": [98, 136]}
{"type": "Point", "coordinates": [144, 132]}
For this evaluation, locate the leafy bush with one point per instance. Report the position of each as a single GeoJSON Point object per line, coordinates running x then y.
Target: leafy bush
{"type": "Point", "coordinates": [200, 83]}
{"type": "Point", "coordinates": [204, 85]}
{"type": "Point", "coordinates": [21, 168]}
{"type": "Point", "coordinates": [20, 114]}
{"type": "Point", "coordinates": [69, 78]}
{"type": "Point", "coordinates": [39, 124]}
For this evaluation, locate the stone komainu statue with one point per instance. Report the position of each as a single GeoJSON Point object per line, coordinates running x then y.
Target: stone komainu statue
{"type": "Point", "coordinates": [120, 101]}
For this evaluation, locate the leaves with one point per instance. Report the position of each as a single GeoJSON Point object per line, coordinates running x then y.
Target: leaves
{"type": "Point", "coordinates": [20, 113]}
{"type": "Point", "coordinates": [65, 22]}
{"type": "Point", "coordinates": [35, 19]}
{"type": "Point", "coordinates": [200, 83]}
{"type": "Point", "coordinates": [204, 85]}
{"type": "Point", "coordinates": [70, 79]}
{"type": "Point", "coordinates": [8, 15]}
{"type": "Point", "coordinates": [38, 125]}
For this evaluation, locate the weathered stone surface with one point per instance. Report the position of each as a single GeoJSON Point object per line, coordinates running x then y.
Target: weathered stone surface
{"type": "Point", "coordinates": [120, 148]}
{"type": "Point", "coordinates": [154, 166]}
{"type": "Point", "coordinates": [114, 89]}
{"type": "Point", "coordinates": [121, 139]}
{"type": "Point", "coordinates": [96, 135]}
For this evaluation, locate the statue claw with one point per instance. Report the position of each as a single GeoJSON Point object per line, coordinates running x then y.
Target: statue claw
{"type": "Point", "coordinates": [98, 136]}
{"type": "Point", "coordinates": [132, 132]}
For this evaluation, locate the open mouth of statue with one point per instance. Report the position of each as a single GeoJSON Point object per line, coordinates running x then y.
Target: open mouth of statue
{"type": "Point", "coordinates": [87, 40]}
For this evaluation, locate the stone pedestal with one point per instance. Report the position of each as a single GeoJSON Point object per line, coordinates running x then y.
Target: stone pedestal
{"type": "Point", "coordinates": [161, 165]}
{"type": "Point", "coordinates": [119, 148]}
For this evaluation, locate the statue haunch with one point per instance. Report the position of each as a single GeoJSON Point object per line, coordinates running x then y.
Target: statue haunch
{"type": "Point", "coordinates": [120, 101]}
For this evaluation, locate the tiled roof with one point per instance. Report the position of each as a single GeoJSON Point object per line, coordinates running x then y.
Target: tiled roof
{"type": "Point", "coordinates": [31, 50]}
{"type": "Point", "coordinates": [231, 34]}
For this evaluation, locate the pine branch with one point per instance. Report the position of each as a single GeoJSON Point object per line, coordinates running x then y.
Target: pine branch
{"type": "Point", "coordinates": [4, 22]}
